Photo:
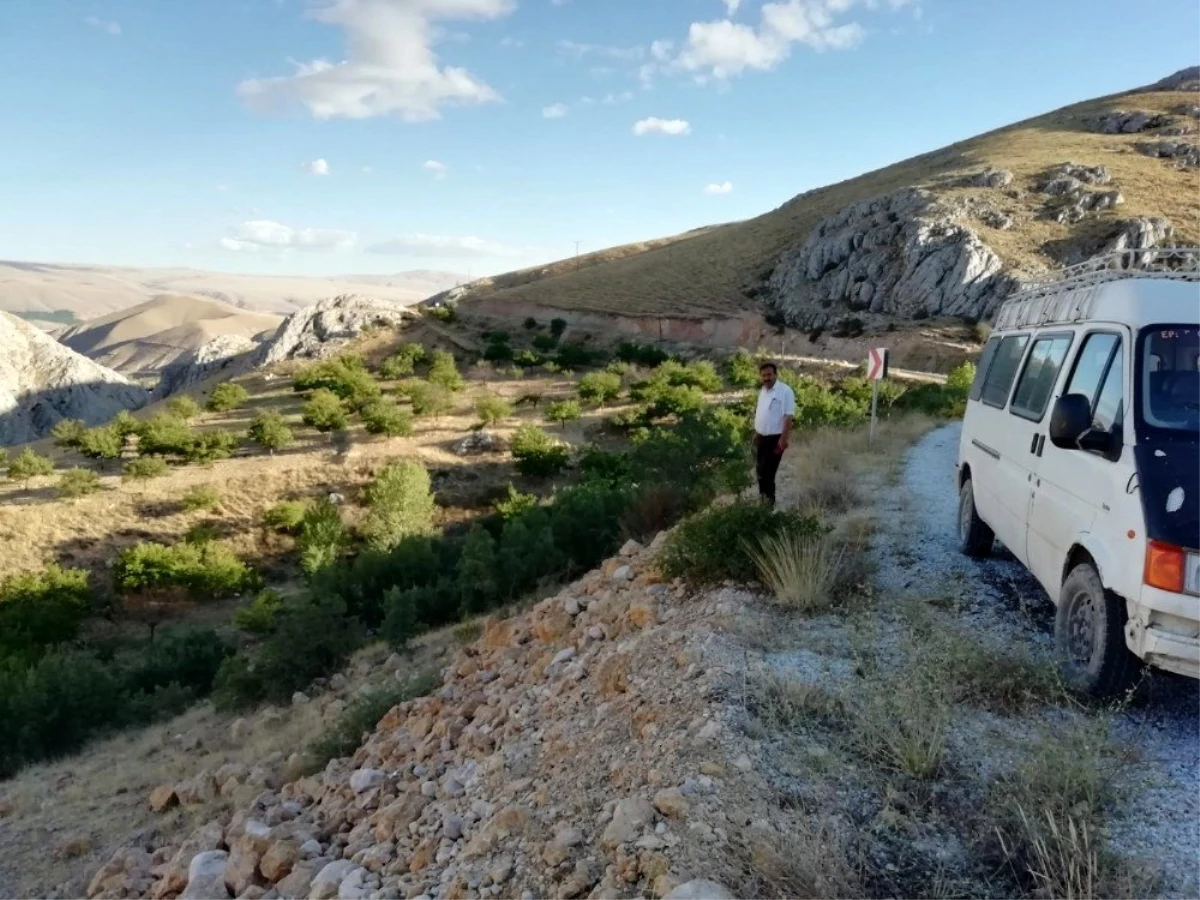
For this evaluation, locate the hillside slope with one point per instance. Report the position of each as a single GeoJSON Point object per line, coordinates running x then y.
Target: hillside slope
{"type": "Point", "coordinates": [43, 382]}
{"type": "Point", "coordinates": [1011, 200]}
{"type": "Point", "coordinates": [88, 292]}
{"type": "Point", "coordinates": [146, 338]}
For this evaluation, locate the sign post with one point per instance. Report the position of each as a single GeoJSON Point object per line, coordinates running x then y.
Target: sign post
{"type": "Point", "coordinates": [877, 366]}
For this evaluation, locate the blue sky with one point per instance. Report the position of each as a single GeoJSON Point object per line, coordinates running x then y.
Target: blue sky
{"type": "Point", "coordinates": [339, 136]}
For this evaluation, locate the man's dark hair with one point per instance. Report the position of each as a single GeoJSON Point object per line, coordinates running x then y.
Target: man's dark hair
{"type": "Point", "coordinates": [763, 366]}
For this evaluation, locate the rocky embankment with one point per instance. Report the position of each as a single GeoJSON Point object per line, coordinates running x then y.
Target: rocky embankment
{"type": "Point", "coordinates": [574, 750]}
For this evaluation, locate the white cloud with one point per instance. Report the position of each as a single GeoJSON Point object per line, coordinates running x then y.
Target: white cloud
{"type": "Point", "coordinates": [655, 125]}
{"type": "Point", "coordinates": [264, 235]}
{"type": "Point", "coordinates": [731, 6]}
{"type": "Point", "coordinates": [579, 51]}
{"type": "Point", "coordinates": [555, 111]}
{"type": "Point", "coordinates": [441, 247]}
{"type": "Point", "coordinates": [316, 167]}
{"type": "Point", "coordinates": [438, 169]}
{"type": "Point", "coordinates": [108, 26]}
{"type": "Point", "coordinates": [623, 97]}
{"type": "Point", "coordinates": [723, 187]}
{"type": "Point", "coordinates": [390, 68]}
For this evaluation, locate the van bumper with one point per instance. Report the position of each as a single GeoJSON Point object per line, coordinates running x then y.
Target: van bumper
{"type": "Point", "coordinates": [1164, 631]}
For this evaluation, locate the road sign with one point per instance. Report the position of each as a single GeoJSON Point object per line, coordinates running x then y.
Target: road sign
{"type": "Point", "coordinates": [877, 363]}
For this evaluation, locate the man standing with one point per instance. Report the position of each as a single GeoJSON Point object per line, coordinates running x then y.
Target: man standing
{"type": "Point", "coordinates": [772, 428]}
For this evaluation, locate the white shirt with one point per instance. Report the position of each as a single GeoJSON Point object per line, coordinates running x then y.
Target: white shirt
{"type": "Point", "coordinates": [773, 405]}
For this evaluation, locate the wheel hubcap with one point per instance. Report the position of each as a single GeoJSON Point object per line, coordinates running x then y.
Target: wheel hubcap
{"type": "Point", "coordinates": [1081, 629]}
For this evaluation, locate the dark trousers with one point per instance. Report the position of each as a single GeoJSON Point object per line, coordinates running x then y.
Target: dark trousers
{"type": "Point", "coordinates": [767, 465]}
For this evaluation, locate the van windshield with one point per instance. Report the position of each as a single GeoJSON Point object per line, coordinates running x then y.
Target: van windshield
{"type": "Point", "coordinates": [1169, 377]}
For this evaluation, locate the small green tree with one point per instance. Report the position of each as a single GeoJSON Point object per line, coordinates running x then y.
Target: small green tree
{"type": "Point", "coordinates": [399, 503]}
{"type": "Point", "coordinates": [77, 483]}
{"type": "Point", "coordinates": [124, 423]}
{"type": "Point", "coordinates": [492, 409]}
{"type": "Point", "coordinates": [286, 516]}
{"type": "Point", "coordinates": [183, 407]}
{"type": "Point", "coordinates": [476, 574]}
{"type": "Point", "coordinates": [271, 432]}
{"type": "Point", "coordinates": [537, 453]}
{"type": "Point", "coordinates": [400, 616]}
{"type": "Point", "coordinates": [259, 616]}
{"type": "Point", "coordinates": [67, 432]}
{"type": "Point", "coordinates": [599, 387]}
{"type": "Point", "coordinates": [202, 496]}
{"type": "Point", "coordinates": [544, 342]}
{"type": "Point", "coordinates": [226, 396]}
{"type": "Point", "coordinates": [322, 537]}
{"type": "Point", "coordinates": [530, 323]}
{"type": "Point", "coordinates": [27, 465]}
{"type": "Point", "coordinates": [144, 468]}
{"type": "Point", "coordinates": [960, 379]}
{"type": "Point", "coordinates": [384, 417]}
{"type": "Point", "coordinates": [211, 445]}
{"type": "Point", "coordinates": [563, 412]}
{"type": "Point", "coordinates": [743, 370]}
{"type": "Point", "coordinates": [324, 411]}
{"type": "Point", "coordinates": [163, 435]}
{"type": "Point", "coordinates": [557, 327]}
{"type": "Point", "coordinates": [431, 400]}
{"type": "Point", "coordinates": [403, 362]}
{"type": "Point", "coordinates": [105, 442]}
{"type": "Point", "coordinates": [443, 371]}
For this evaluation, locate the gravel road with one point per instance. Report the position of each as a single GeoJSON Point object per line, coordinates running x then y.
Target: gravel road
{"type": "Point", "coordinates": [1002, 602]}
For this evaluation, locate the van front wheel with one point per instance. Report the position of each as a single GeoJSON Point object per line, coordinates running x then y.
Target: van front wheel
{"type": "Point", "coordinates": [974, 537]}
{"type": "Point", "coordinates": [1089, 631]}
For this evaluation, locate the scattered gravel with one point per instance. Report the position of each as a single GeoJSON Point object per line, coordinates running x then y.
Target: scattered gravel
{"type": "Point", "coordinates": [1000, 602]}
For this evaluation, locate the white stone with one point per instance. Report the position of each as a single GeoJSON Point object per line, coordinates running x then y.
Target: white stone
{"type": "Point", "coordinates": [630, 548]}
{"type": "Point", "coordinates": [206, 877]}
{"type": "Point", "coordinates": [622, 574]}
{"type": "Point", "coordinates": [699, 889]}
{"type": "Point", "coordinates": [364, 780]}
{"type": "Point", "coordinates": [299, 698]}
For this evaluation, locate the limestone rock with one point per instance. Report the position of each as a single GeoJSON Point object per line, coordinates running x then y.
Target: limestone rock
{"type": "Point", "coordinates": [699, 889]}
{"type": "Point", "coordinates": [630, 816]}
{"type": "Point", "coordinates": [1122, 121]}
{"type": "Point", "coordinates": [478, 442]}
{"type": "Point", "coordinates": [1185, 154]}
{"type": "Point", "coordinates": [279, 859]}
{"type": "Point", "coordinates": [321, 329]}
{"type": "Point", "coordinates": [899, 255]}
{"type": "Point", "coordinates": [364, 780]}
{"type": "Point", "coordinates": [228, 354]}
{"type": "Point", "coordinates": [163, 798]}
{"type": "Point", "coordinates": [989, 178]}
{"type": "Point", "coordinates": [43, 382]}
{"type": "Point", "coordinates": [328, 882]}
{"type": "Point", "coordinates": [126, 874]}
{"type": "Point", "coordinates": [206, 877]}
{"type": "Point", "coordinates": [671, 803]}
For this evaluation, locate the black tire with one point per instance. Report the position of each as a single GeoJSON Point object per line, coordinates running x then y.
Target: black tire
{"type": "Point", "coordinates": [975, 539]}
{"type": "Point", "coordinates": [1089, 632]}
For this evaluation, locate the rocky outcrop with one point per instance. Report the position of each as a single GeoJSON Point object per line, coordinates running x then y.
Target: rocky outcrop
{"type": "Point", "coordinates": [989, 178]}
{"type": "Point", "coordinates": [42, 382]}
{"type": "Point", "coordinates": [1185, 154]}
{"type": "Point", "coordinates": [1122, 121]}
{"type": "Point", "coordinates": [231, 354]}
{"type": "Point", "coordinates": [901, 255]}
{"type": "Point", "coordinates": [1184, 80]}
{"type": "Point", "coordinates": [1131, 235]}
{"type": "Point", "coordinates": [1068, 183]}
{"type": "Point", "coordinates": [319, 330]}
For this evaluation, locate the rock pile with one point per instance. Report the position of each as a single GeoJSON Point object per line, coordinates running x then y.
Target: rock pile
{"type": "Point", "coordinates": [1122, 121]}
{"type": "Point", "coordinates": [1069, 182]}
{"type": "Point", "coordinates": [319, 330]}
{"type": "Point", "coordinates": [570, 753]}
{"type": "Point", "coordinates": [1185, 154]}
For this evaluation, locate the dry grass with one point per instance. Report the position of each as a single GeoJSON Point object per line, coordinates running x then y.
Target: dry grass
{"type": "Point", "coordinates": [786, 704]}
{"type": "Point", "coordinates": [706, 273]}
{"type": "Point", "coordinates": [810, 863]}
{"type": "Point", "coordinates": [902, 723]}
{"type": "Point", "coordinates": [801, 572]}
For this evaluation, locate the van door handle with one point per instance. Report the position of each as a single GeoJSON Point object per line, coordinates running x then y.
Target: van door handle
{"type": "Point", "coordinates": [1041, 439]}
{"type": "Point", "coordinates": [1033, 446]}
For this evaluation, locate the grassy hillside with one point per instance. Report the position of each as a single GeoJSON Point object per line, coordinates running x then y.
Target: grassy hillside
{"type": "Point", "coordinates": [707, 272]}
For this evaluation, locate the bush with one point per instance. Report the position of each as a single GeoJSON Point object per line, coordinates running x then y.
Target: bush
{"type": "Point", "coordinates": [346, 377]}
{"type": "Point", "coordinates": [530, 323]}
{"type": "Point", "coordinates": [743, 370]}
{"type": "Point", "coordinates": [124, 423]}
{"type": "Point", "coordinates": [527, 359]}
{"type": "Point", "coordinates": [444, 314]}
{"type": "Point", "coordinates": [654, 507]}
{"type": "Point", "coordinates": [187, 657]}
{"type": "Point", "coordinates": [586, 521]}
{"type": "Point", "coordinates": [600, 387]}
{"type": "Point", "coordinates": [563, 412]}
{"type": "Point", "coordinates": [642, 354]}
{"type": "Point", "coordinates": [203, 533]}
{"type": "Point", "coordinates": [205, 570]}
{"type": "Point", "coordinates": [28, 465]}
{"type": "Point", "coordinates": [77, 483]}
{"type": "Point", "coordinates": [384, 417]}
{"type": "Point", "coordinates": [604, 465]}
{"type": "Point", "coordinates": [492, 409]}
{"type": "Point", "coordinates": [399, 504]}
{"type": "Point", "coordinates": [514, 504]}
{"type": "Point", "coordinates": [443, 371]}
{"type": "Point", "coordinates": [183, 407]}
{"type": "Point", "coordinates": [537, 454]}
{"type": "Point", "coordinates": [573, 356]}
{"type": "Point", "coordinates": [226, 396]}
{"type": "Point", "coordinates": [717, 544]}
{"type": "Point", "coordinates": [324, 411]}
{"type": "Point", "coordinates": [498, 351]}
{"type": "Point", "coordinates": [801, 570]}
{"type": "Point", "coordinates": [960, 380]}
{"type": "Point", "coordinates": [544, 342]}
{"type": "Point", "coordinates": [285, 516]}
{"type": "Point", "coordinates": [700, 374]}
{"type": "Point", "coordinates": [107, 442]}
{"type": "Point", "coordinates": [144, 468]}
{"type": "Point", "coordinates": [202, 496]}
{"type": "Point", "coordinates": [163, 435]}
{"type": "Point", "coordinates": [558, 326]}
{"type": "Point", "coordinates": [403, 362]}
{"type": "Point", "coordinates": [211, 445]}
{"type": "Point", "coordinates": [40, 609]}
{"type": "Point", "coordinates": [322, 538]}
{"type": "Point", "coordinates": [476, 573]}
{"type": "Point", "coordinates": [67, 432]}
{"type": "Point", "coordinates": [360, 718]}
{"type": "Point", "coordinates": [259, 615]}
{"type": "Point", "coordinates": [271, 432]}
{"type": "Point", "coordinates": [430, 400]}
{"type": "Point", "coordinates": [400, 622]}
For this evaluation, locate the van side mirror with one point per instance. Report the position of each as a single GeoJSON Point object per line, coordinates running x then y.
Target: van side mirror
{"type": "Point", "coordinates": [1070, 419]}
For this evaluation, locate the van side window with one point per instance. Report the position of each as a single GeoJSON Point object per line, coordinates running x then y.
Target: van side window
{"type": "Point", "coordinates": [1003, 369]}
{"type": "Point", "coordinates": [1109, 409]}
{"type": "Point", "coordinates": [1041, 372]}
{"type": "Point", "coordinates": [981, 369]}
{"type": "Point", "coordinates": [1098, 377]}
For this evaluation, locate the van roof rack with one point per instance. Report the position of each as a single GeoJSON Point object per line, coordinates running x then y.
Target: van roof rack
{"type": "Point", "coordinates": [1175, 263]}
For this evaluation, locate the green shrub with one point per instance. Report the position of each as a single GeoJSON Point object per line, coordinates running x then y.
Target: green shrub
{"type": "Point", "coordinates": [538, 454]}
{"type": "Point", "coordinates": [700, 374]}
{"type": "Point", "coordinates": [641, 354]}
{"type": "Point", "coordinates": [183, 407]}
{"type": "Point", "coordinates": [514, 503]}
{"type": "Point", "coordinates": [106, 442]}
{"type": "Point", "coordinates": [574, 356]}
{"type": "Point", "coordinates": [477, 573]}
{"type": "Point", "coordinates": [960, 379]}
{"type": "Point", "coordinates": [324, 411]}
{"type": "Point", "coordinates": [285, 516]}
{"type": "Point", "coordinates": [144, 468]}
{"type": "Point", "coordinates": [66, 432]}
{"type": "Point", "coordinates": [399, 504]}
{"type": "Point", "coordinates": [202, 496]}
{"type": "Point", "coordinates": [528, 359]}
{"type": "Point", "coordinates": [259, 615]}
{"type": "Point", "coordinates": [713, 546]}
{"type": "Point", "coordinates": [586, 521]}
{"type": "Point", "coordinates": [39, 609]}
{"type": "Point", "coordinates": [77, 483]}
{"type": "Point", "coordinates": [563, 412]}
{"type": "Point", "coordinates": [558, 326]}
{"type": "Point", "coordinates": [604, 465]}
{"type": "Point", "coordinates": [400, 621]}
{"type": "Point", "coordinates": [360, 718]}
{"type": "Point", "coordinates": [187, 657]}
{"type": "Point", "coordinates": [498, 351]}
{"type": "Point", "coordinates": [600, 387]}
{"type": "Point", "coordinates": [403, 362]}
{"type": "Point", "coordinates": [430, 400]}
{"type": "Point", "coordinates": [322, 538]}
{"type": "Point", "coordinates": [271, 432]}
{"type": "Point", "coordinates": [544, 342]}
{"type": "Point", "coordinates": [743, 370]}
{"type": "Point", "coordinates": [444, 314]}
{"type": "Point", "coordinates": [384, 417]}
{"type": "Point", "coordinates": [443, 371]}
{"type": "Point", "coordinates": [28, 465]}
{"type": "Point", "coordinates": [530, 323]}
{"type": "Point", "coordinates": [203, 533]}
{"type": "Point", "coordinates": [655, 507]}
{"type": "Point", "coordinates": [206, 570]}
{"type": "Point", "coordinates": [492, 409]}
{"type": "Point", "coordinates": [124, 423]}
{"type": "Point", "coordinates": [346, 377]}
{"type": "Point", "coordinates": [226, 396]}
{"type": "Point", "coordinates": [163, 435]}
{"type": "Point", "coordinates": [208, 446]}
